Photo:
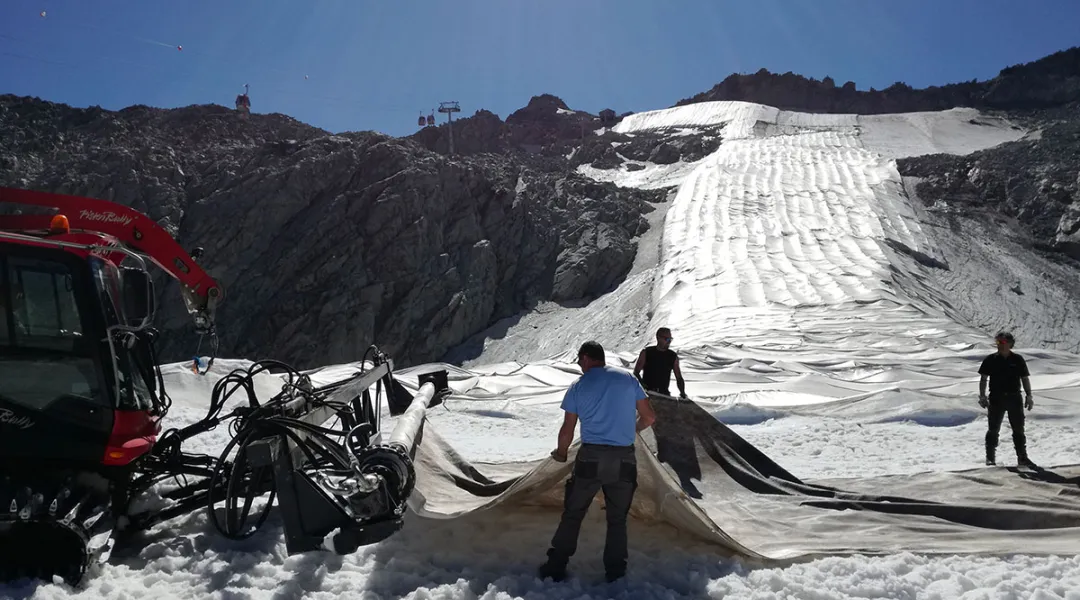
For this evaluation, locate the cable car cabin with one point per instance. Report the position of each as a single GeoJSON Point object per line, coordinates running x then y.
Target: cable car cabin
{"type": "Point", "coordinates": [421, 121]}
{"type": "Point", "coordinates": [243, 103]}
{"type": "Point", "coordinates": [431, 119]}
{"type": "Point", "coordinates": [77, 372]}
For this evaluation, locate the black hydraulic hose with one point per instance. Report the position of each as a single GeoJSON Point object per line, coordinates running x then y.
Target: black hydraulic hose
{"type": "Point", "coordinates": [331, 457]}
{"type": "Point", "coordinates": [149, 372]}
{"type": "Point", "coordinates": [255, 422]}
{"type": "Point", "coordinates": [230, 530]}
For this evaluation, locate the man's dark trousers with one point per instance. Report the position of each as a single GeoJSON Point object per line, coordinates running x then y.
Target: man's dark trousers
{"type": "Point", "coordinates": [1000, 405]}
{"type": "Point", "coordinates": [614, 470]}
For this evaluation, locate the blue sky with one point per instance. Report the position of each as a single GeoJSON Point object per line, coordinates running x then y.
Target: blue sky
{"type": "Point", "coordinates": [347, 65]}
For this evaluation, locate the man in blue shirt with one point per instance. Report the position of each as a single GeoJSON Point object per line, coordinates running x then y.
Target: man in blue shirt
{"type": "Point", "coordinates": [612, 408]}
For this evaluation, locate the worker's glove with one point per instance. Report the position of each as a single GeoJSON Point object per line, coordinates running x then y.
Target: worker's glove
{"type": "Point", "coordinates": [683, 396]}
{"type": "Point", "coordinates": [1029, 403]}
{"type": "Point", "coordinates": [559, 457]}
{"type": "Point", "coordinates": [982, 401]}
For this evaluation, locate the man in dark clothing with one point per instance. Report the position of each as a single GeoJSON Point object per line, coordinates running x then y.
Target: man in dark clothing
{"type": "Point", "coordinates": [1006, 371]}
{"type": "Point", "coordinates": [612, 408]}
{"type": "Point", "coordinates": [656, 363]}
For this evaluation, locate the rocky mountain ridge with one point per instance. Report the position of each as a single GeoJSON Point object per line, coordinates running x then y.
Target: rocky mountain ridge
{"type": "Point", "coordinates": [1049, 82]}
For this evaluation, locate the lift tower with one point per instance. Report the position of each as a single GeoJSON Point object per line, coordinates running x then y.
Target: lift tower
{"type": "Point", "coordinates": [450, 108]}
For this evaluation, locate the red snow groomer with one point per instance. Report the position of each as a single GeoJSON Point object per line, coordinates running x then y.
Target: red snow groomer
{"type": "Point", "coordinates": [82, 405]}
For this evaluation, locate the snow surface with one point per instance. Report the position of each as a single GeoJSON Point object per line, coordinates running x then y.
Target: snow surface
{"type": "Point", "coordinates": [785, 263]}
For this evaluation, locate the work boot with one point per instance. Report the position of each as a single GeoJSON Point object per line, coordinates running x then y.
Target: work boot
{"type": "Point", "coordinates": [1024, 461]}
{"type": "Point", "coordinates": [555, 570]}
{"type": "Point", "coordinates": [990, 456]}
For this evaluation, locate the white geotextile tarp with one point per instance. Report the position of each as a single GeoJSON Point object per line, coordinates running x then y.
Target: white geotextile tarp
{"type": "Point", "coordinates": [751, 508]}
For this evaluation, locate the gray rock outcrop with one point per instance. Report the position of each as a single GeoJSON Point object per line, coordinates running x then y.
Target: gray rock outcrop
{"type": "Point", "coordinates": [1034, 181]}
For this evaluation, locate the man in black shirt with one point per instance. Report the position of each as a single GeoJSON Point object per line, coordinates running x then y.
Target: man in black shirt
{"type": "Point", "coordinates": [1006, 370]}
{"type": "Point", "coordinates": [658, 363]}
